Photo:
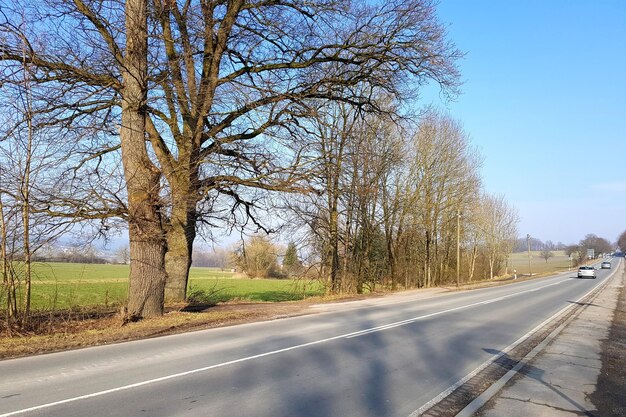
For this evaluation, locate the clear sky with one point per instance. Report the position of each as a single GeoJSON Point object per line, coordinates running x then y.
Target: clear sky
{"type": "Point", "coordinates": [544, 99]}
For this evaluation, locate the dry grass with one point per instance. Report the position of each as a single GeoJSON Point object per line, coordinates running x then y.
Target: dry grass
{"type": "Point", "coordinates": [558, 263]}
{"type": "Point", "coordinates": [64, 333]}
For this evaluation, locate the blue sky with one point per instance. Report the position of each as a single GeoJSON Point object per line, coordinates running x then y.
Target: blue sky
{"type": "Point", "coordinates": [544, 99]}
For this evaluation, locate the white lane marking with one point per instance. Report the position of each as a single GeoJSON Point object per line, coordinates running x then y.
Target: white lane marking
{"type": "Point", "coordinates": [504, 351]}
{"type": "Point", "coordinates": [248, 358]}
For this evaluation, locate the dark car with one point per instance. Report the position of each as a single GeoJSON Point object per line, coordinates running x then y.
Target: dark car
{"type": "Point", "coordinates": [586, 272]}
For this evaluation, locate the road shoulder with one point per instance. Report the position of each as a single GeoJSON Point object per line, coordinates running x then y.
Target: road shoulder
{"type": "Point", "coordinates": [561, 380]}
{"type": "Point", "coordinates": [610, 395]}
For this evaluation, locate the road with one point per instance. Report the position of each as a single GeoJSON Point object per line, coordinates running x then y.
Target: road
{"type": "Point", "coordinates": [387, 357]}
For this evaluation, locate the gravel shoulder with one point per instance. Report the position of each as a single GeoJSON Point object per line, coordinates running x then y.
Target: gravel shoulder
{"type": "Point", "coordinates": [580, 371]}
{"type": "Point", "coordinates": [610, 395]}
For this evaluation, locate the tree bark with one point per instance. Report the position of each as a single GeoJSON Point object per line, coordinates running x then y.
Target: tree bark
{"type": "Point", "coordinates": [335, 279]}
{"type": "Point", "coordinates": [472, 262]}
{"type": "Point", "coordinates": [145, 228]}
{"type": "Point", "coordinates": [8, 279]}
{"type": "Point", "coordinates": [180, 237]}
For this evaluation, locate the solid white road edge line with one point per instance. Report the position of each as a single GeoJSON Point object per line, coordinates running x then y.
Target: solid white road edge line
{"type": "Point", "coordinates": [507, 349]}
{"type": "Point", "coordinates": [261, 355]}
{"type": "Point", "coordinates": [486, 395]}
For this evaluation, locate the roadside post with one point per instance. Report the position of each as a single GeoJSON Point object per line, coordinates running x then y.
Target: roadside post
{"type": "Point", "coordinates": [515, 274]}
{"type": "Point", "coordinates": [569, 266]}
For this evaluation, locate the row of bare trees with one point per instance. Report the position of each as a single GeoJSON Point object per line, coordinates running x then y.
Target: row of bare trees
{"type": "Point", "coordinates": [397, 198]}
{"type": "Point", "coordinates": [600, 245]}
{"type": "Point", "coordinates": [206, 104]}
{"type": "Point", "coordinates": [621, 241]}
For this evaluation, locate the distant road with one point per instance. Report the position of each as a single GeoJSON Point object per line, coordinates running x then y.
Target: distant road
{"type": "Point", "coordinates": [383, 357]}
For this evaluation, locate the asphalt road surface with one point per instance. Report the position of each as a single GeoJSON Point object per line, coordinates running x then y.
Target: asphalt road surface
{"type": "Point", "coordinates": [386, 357]}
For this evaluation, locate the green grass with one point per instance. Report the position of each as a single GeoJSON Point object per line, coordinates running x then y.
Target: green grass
{"type": "Point", "coordinates": [257, 289]}
{"type": "Point", "coordinates": [519, 261]}
{"type": "Point", "coordinates": [64, 296]}
{"type": "Point", "coordinates": [58, 286]}
{"type": "Point", "coordinates": [59, 272]}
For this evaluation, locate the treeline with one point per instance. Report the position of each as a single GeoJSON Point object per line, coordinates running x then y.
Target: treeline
{"type": "Point", "coordinates": [621, 241]}
{"type": "Point", "coordinates": [395, 206]}
{"type": "Point", "coordinates": [521, 245]}
{"type": "Point", "coordinates": [393, 203]}
{"type": "Point", "coordinates": [600, 246]}
{"type": "Point", "coordinates": [73, 254]}
{"type": "Point", "coordinates": [213, 258]}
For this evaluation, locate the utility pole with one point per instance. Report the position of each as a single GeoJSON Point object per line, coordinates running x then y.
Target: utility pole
{"type": "Point", "coordinates": [530, 272]}
{"type": "Point", "coordinates": [458, 248]}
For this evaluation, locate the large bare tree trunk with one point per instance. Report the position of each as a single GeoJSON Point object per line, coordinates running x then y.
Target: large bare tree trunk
{"type": "Point", "coordinates": [180, 237]}
{"type": "Point", "coordinates": [145, 229]}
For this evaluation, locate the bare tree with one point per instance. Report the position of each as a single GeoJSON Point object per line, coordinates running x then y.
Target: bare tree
{"type": "Point", "coordinates": [499, 227]}
{"type": "Point", "coordinates": [376, 159]}
{"type": "Point", "coordinates": [356, 153]}
{"type": "Point", "coordinates": [621, 241]}
{"type": "Point", "coordinates": [598, 244]}
{"type": "Point", "coordinates": [546, 254]}
{"type": "Point", "coordinates": [444, 179]}
{"type": "Point", "coordinates": [145, 225]}
{"type": "Point", "coordinates": [473, 236]}
{"type": "Point", "coordinates": [27, 158]}
{"type": "Point", "coordinates": [257, 257]}
{"type": "Point", "coordinates": [219, 97]}
{"type": "Point", "coordinates": [268, 62]}
{"type": "Point", "coordinates": [123, 254]}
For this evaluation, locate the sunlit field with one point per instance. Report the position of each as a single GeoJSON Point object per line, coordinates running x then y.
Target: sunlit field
{"type": "Point", "coordinates": [519, 261]}
{"type": "Point", "coordinates": [59, 286]}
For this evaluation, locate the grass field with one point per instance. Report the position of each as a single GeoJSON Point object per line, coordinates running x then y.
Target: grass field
{"type": "Point", "coordinates": [519, 262]}
{"type": "Point", "coordinates": [58, 286]}
{"type": "Point", "coordinates": [63, 285]}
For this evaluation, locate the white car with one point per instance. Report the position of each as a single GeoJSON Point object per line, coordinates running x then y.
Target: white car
{"type": "Point", "coordinates": [586, 272]}
{"type": "Point", "coordinates": [605, 265]}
